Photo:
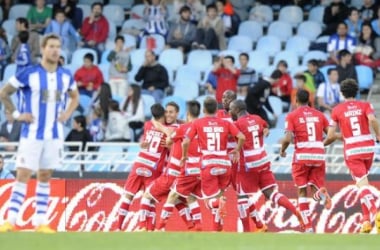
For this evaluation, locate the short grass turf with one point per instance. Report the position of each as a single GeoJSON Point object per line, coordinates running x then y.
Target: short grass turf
{"type": "Point", "coordinates": [186, 241]}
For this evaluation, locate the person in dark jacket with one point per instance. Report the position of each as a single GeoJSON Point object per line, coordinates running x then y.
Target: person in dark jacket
{"type": "Point", "coordinates": [79, 133]}
{"type": "Point", "coordinates": [154, 77]}
{"type": "Point", "coordinates": [257, 96]}
{"type": "Point", "coordinates": [334, 14]}
{"type": "Point", "coordinates": [345, 68]}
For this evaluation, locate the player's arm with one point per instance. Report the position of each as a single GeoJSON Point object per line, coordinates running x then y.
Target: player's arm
{"type": "Point", "coordinates": [331, 135]}
{"type": "Point", "coordinates": [5, 97]}
{"type": "Point", "coordinates": [160, 127]}
{"type": "Point", "coordinates": [375, 125]}
{"type": "Point", "coordinates": [73, 104]}
{"type": "Point", "coordinates": [285, 143]}
{"type": "Point", "coordinates": [190, 134]}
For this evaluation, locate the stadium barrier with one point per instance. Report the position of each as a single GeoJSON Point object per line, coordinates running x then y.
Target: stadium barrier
{"type": "Point", "coordinates": [92, 205]}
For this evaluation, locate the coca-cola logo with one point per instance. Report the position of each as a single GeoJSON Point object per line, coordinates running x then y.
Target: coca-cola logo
{"type": "Point", "coordinates": [86, 206]}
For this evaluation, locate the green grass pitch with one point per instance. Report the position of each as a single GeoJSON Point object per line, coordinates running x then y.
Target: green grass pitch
{"type": "Point", "coordinates": [186, 241]}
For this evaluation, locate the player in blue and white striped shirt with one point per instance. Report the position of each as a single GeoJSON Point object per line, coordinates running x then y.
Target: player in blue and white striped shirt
{"type": "Point", "coordinates": [45, 88]}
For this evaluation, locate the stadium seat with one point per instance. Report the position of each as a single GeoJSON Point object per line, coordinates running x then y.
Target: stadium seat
{"type": "Point", "coordinates": [262, 14]}
{"type": "Point", "coordinates": [268, 70]}
{"type": "Point", "coordinates": [201, 59]}
{"type": "Point", "coordinates": [172, 16]}
{"type": "Point", "coordinates": [274, 137]}
{"type": "Point", "coordinates": [86, 9]}
{"type": "Point", "coordinates": [104, 68]}
{"type": "Point", "coordinates": [314, 54]}
{"type": "Point", "coordinates": [365, 77]}
{"type": "Point", "coordinates": [290, 57]}
{"type": "Point", "coordinates": [77, 56]}
{"type": "Point", "coordinates": [240, 43]}
{"type": "Point", "coordinates": [89, 2]}
{"type": "Point", "coordinates": [129, 41]}
{"type": "Point", "coordinates": [18, 10]}
{"type": "Point", "coordinates": [72, 67]}
{"type": "Point", "coordinates": [280, 29]}
{"type": "Point", "coordinates": [9, 71]}
{"type": "Point", "coordinates": [235, 54]}
{"type": "Point", "coordinates": [103, 59]}
{"type": "Point", "coordinates": [85, 102]}
{"type": "Point", "coordinates": [251, 29]}
{"type": "Point", "coordinates": [180, 101]}
{"type": "Point", "coordinates": [112, 30]}
{"type": "Point", "coordinates": [298, 44]}
{"type": "Point", "coordinates": [280, 122]}
{"type": "Point", "coordinates": [357, 3]}
{"type": "Point", "coordinates": [10, 27]}
{"type": "Point", "coordinates": [258, 60]}
{"type": "Point", "coordinates": [291, 14]}
{"type": "Point", "coordinates": [114, 13]}
{"type": "Point", "coordinates": [316, 14]}
{"type": "Point", "coordinates": [187, 73]}
{"type": "Point", "coordinates": [187, 89]}
{"type": "Point", "coordinates": [137, 11]}
{"type": "Point", "coordinates": [171, 58]}
{"type": "Point", "coordinates": [65, 56]}
{"type": "Point", "coordinates": [269, 44]}
{"type": "Point", "coordinates": [137, 57]}
{"type": "Point", "coordinates": [309, 29]}
{"type": "Point", "coordinates": [133, 24]}
{"type": "Point", "coordinates": [126, 4]}
{"type": "Point", "coordinates": [276, 104]}
{"type": "Point", "coordinates": [148, 101]}
{"type": "Point", "coordinates": [323, 39]}
{"type": "Point", "coordinates": [159, 40]}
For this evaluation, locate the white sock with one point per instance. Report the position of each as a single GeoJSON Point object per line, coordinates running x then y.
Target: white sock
{"type": "Point", "coordinates": [42, 202]}
{"type": "Point", "coordinates": [16, 200]}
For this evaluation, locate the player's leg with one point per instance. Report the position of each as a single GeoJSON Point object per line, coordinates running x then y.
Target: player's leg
{"type": "Point", "coordinates": [317, 184]}
{"type": "Point", "coordinates": [195, 212]}
{"type": "Point", "coordinates": [167, 210]}
{"type": "Point", "coordinates": [145, 210]}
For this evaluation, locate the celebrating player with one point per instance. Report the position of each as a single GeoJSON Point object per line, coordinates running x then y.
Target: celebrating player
{"type": "Point", "coordinates": [216, 165]}
{"type": "Point", "coordinates": [308, 168]}
{"type": "Point", "coordinates": [353, 118]}
{"type": "Point", "coordinates": [149, 163]}
{"type": "Point", "coordinates": [44, 88]}
{"type": "Point", "coordinates": [254, 169]}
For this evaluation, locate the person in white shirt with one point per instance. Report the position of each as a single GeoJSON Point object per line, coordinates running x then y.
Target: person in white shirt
{"type": "Point", "coordinates": [328, 93]}
{"type": "Point", "coordinates": [339, 41]}
{"type": "Point", "coordinates": [117, 129]}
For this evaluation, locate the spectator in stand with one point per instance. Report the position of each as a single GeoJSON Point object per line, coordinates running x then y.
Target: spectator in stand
{"type": "Point", "coordinates": [340, 40]}
{"type": "Point", "coordinates": [376, 23]}
{"type": "Point", "coordinates": [211, 80]}
{"type": "Point", "coordinates": [368, 10]}
{"type": "Point", "coordinates": [155, 16]}
{"type": "Point", "coordinates": [154, 77]}
{"type": "Point", "coordinates": [39, 16]}
{"type": "Point", "coordinates": [300, 84]}
{"type": "Point", "coordinates": [102, 100]}
{"type": "Point", "coordinates": [367, 52]}
{"type": "Point", "coordinates": [117, 129]}
{"type": "Point", "coordinates": [79, 133]}
{"type": "Point", "coordinates": [354, 23]}
{"type": "Point", "coordinates": [230, 19]}
{"type": "Point", "coordinates": [183, 32]}
{"type": "Point", "coordinates": [63, 27]}
{"type": "Point", "coordinates": [196, 7]}
{"type": "Point", "coordinates": [6, 6]}
{"type": "Point", "coordinates": [133, 109]}
{"type": "Point", "coordinates": [210, 32]}
{"type": "Point", "coordinates": [257, 97]}
{"type": "Point", "coordinates": [247, 76]}
{"type": "Point", "coordinates": [283, 87]}
{"type": "Point", "coordinates": [4, 173]}
{"type": "Point", "coordinates": [67, 6]}
{"type": "Point", "coordinates": [316, 75]}
{"type": "Point", "coordinates": [23, 54]}
{"type": "Point", "coordinates": [346, 69]}
{"type": "Point", "coordinates": [10, 131]}
{"type": "Point", "coordinates": [118, 70]}
{"type": "Point", "coordinates": [95, 29]}
{"type": "Point", "coordinates": [88, 77]}
{"type": "Point", "coordinates": [334, 14]}
{"type": "Point", "coordinates": [328, 93]}
{"type": "Point", "coordinates": [5, 51]}
{"type": "Point", "coordinates": [22, 24]}
{"type": "Point", "coordinates": [227, 75]}
{"type": "Point", "coordinates": [96, 125]}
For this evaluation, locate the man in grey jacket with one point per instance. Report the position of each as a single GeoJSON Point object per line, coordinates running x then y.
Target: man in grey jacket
{"type": "Point", "coordinates": [182, 33]}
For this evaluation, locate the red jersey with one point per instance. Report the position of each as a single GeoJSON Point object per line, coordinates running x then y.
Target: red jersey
{"type": "Point", "coordinates": [213, 136]}
{"type": "Point", "coordinates": [352, 118]}
{"type": "Point", "coordinates": [192, 166]}
{"type": "Point", "coordinates": [225, 115]}
{"type": "Point", "coordinates": [226, 80]}
{"type": "Point", "coordinates": [307, 125]}
{"type": "Point", "coordinates": [253, 154]}
{"type": "Point", "coordinates": [155, 155]}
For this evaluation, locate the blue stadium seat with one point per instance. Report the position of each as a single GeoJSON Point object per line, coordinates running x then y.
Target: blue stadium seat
{"type": "Point", "coordinates": [160, 43]}
{"type": "Point", "coordinates": [148, 101]}
{"type": "Point", "coordinates": [104, 68]}
{"type": "Point", "coordinates": [10, 27]}
{"type": "Point", "coordinates": [309, 29]}
{"type": "Point", "coordinates": [298, 44]}
{"type": "Point", "coordinates": [18, 10]}
{"type": "Point", "coordinates": [85, 102]}
{"type": "Point", "coordinates": [86, 9]}
{"type": "Point", "coordinates": [314, 54]}
{"type": "Point", "coordinates": [103, 59]}
{"type": "Point", "coordinates": [171, 58]}
{"type": "Point", "coordinates": [112, 30]}
{"type": "Point", "coordinates": [133, 24]}
{"type": "Point", "coordinates": [187, 90]}
{"type": "Point", "coordinates": [258, 60]}
{"type": "Point", "coordinates": [9, 71]}
{"type": "Point", "coordinates": [269, 44]}
{"type": "Point", "coordinates": [262, 13]}
{"type": "Point", "coordinates": [365, 77]}
{"type": "Point", "coordinates": [72, 67]}
{"type": "Point", "coordinates": [280, 123]}
{"type": "Point", "coordinates": [251, 29]}
{"type": "Point", "coordinates": [357, 3]}
{"type": "Point", "coordinates": [274, 137]}
{"type": "Point", "coordinates": [114, 13]}
{"type": "Point", "coordinates": [316, 14]}
{"type": "Point", "coordinates": [240, 43]}
{"type": "Point", "coordinates": [268, 71]}
{"type": "Point", "coordinates": [77, 56]}
{"type": "Point", "coordinates": [276, 104]}
{"type": "Point", "coordinates": [187, 72]}
{"type": "Point", "coordinates": [289, 56]}
{"type": "Point", "coordinates": [137, 57]}
{"type": "Point", "coordinates": [126, 4]}
{"type": "Point", "coordinates": [137, 11]}
{"type": "Point", "coordinates": [280, 29]}
{"type": "Point", "coordinates": [89, 2]}
{"type": "Point", "coordinates": [129, 41]}
{"type": "Point", "coordinates": [291, 14]}
{"type": "Point", "coordinates": [180, 101]}
{"type": "Point", "coordinates": [202, 59]}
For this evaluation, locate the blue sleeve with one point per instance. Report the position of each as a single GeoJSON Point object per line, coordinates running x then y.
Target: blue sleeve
{"type": "Point", "coordinates": [74, 33]}
{"type": "Point", "coordinates": [21, 79]}
{"type": "Point", "coordinates": [211, 78]}
{"type": "Point", "coordinates": [49, 28]}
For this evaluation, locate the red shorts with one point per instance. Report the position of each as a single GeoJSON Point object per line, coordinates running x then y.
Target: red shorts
{"type": "Point", "coordinates": [359, 168]}
{"type": "Point", "coordinates": [214, 179]}
{"type": "Point", "coordinates": [160, 187]}
{"type": "Point", "coordinates": [304, 175]}
{"type": "Point", "coordinates": [139, 178]}
{"type": "Point", "coordinates": [188, 185]}
{"type": "Point", "coordinates": [255, 180]}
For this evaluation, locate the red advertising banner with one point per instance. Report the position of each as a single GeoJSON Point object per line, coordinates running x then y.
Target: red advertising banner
{"type": "Point", "coordinates": [92, 205]}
